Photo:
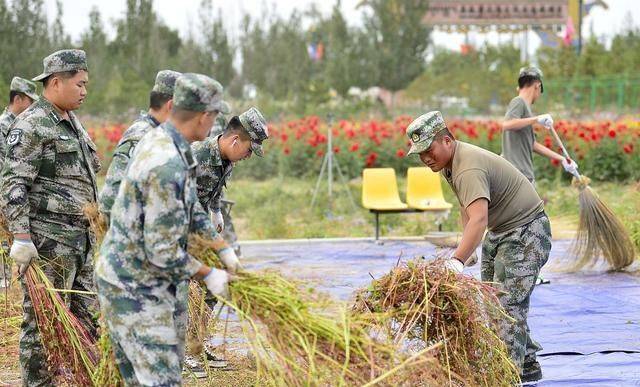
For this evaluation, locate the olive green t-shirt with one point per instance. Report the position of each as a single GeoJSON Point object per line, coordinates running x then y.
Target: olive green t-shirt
{"type": "Point", "coordinates": [517, 144]}
{"type": "Point", "coordinates": [477, 173]}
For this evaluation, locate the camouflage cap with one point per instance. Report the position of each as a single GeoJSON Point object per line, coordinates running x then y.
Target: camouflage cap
{"type": "Point", "coordinates": [63, 60]}
{"type": "Point", "coordinates": [166, 81]}
{"type": "Point", "coordinates": [225, 108]}
{"type": "Point", "coordinates": [423, 129]}
{"type": "Point", "coordinates": [197, 92]}
{"type": "Point", "coordinates": [24, 86]}
{"type": "Point", "coordinates": [532, 71]}
{"type": "Point", "coordinates": [254, 123]}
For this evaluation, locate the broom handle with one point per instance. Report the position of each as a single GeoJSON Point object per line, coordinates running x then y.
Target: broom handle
{"type": "Point", "coordinates": [555, 135]}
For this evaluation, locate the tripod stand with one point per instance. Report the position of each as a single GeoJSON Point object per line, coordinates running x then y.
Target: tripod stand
{"type": "Point", "coordinates": [328, 163]}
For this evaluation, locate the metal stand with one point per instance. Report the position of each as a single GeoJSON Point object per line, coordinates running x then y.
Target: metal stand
{"type": "Point", "coordinates": [328, 163]}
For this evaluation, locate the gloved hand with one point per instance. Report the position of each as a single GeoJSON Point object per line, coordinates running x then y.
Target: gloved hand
{"type": "Point", "coordinates": [454, 265]}
{"type": "Point", "coordinates": [545, 120]}
{"type": "Point", "coordinates": [229, 259]}
{"type": "Point", "coordinates": [217, 220]}
{"type": "Point", "coordinates": [217, 282]}
{"type": "Point", "coordinates": [571, 167]}
{"type": "Point", "coordinates": [23, 251]}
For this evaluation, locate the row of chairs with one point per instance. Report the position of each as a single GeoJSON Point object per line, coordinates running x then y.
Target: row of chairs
{"type": "Point", "coordinates": [424, 193]}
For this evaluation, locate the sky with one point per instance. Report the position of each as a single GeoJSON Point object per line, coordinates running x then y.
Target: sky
{"type": "Point", "coordinates": [182, 15]}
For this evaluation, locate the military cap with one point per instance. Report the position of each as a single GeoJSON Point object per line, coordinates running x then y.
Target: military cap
{"type": "Point", "coordinates": [254, 123]}
{"type": "Point", "coordinates": [198, 93]}
{"type": "Point", "coordinates": [63, 60]}
{"type": "Point", "coordinates": [423, 129]}
{"type": "Point", "coordinates": [225, 108]}
{"type": "Point", "coordinates": [24, 86]}
{"type": "Point", "coordinates": [166, 81]}
{"type": "Point", "coordinates": [532, 71]}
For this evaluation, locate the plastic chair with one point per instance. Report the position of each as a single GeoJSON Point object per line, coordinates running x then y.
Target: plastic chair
{"type": "Point", "coordinates": [380, 193]}
{"type": "Point", "coordinates": [424, 190]}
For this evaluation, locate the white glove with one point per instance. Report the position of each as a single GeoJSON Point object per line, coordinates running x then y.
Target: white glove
{"type": "Point", "coordinates": [217, 282]}
{"type": "Point", "coordinates": [229, 259]}
{"type": "Point", "coordinates": [217, 220]}
{"type": "Point", "coordinates": [545, 120]}
{"type": "Point", "coordinates": [454, 265]}
{"type": "Point", "coordinates": [23, 251]}
{"type": "Point", "coordinates": [570, 166]}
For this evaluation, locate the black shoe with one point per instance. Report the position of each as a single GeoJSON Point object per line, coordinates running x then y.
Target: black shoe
{"type": "Point", "coordinates": [214, 361]}
{"type": "Point", "coordinates": [193, 366]}
{"type": "Point", "coordinates": [531, 374]}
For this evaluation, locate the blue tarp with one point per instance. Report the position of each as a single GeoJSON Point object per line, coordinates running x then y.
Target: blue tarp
{"type": "Point", "coordinates": [588, 324]}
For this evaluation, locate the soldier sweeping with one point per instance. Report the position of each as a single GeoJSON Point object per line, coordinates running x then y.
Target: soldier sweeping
{"type": "Point", "coordinates": [518, 138]}
{"type": "Point", "coordinates": [143, 262]}
{"type": "Point", "coordinates": [160, 103]}
{"type": "Point", "coordinates": [48, 178]}
{"type": "Point", "coordinates": [22, 93]}
{"type": "Point", "coordinates": [493, 195]}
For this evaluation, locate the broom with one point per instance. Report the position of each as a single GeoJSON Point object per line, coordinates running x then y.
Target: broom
{"type": "Point", "coordinates": [599, 230]}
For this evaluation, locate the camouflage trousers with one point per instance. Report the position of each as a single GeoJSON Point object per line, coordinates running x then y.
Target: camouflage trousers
{"type": "Point", "coordinates": [513, 260]}
{"type": "Point", "coordinates": [229, 232]}
{"type": "Point", "coordinates": [66, 268]}
{"type": "Point", "coordinates": [147, 332]}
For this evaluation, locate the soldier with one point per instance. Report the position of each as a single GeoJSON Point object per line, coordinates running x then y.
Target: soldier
{"type": "Point", "coordinates": [493, 195]}
{"type": "Point", "coordinates": [216, 156]}
{"type": "Point", "coordinates": [160, 103]}
{"type": "Point", "coordinates": [49, 176]}
{"type": "Point", "coordinates": [518, 138]}
{"type": "Point", "coordinates": [143, 262]}
{"type": "Point", "coordinates": [22, 94]}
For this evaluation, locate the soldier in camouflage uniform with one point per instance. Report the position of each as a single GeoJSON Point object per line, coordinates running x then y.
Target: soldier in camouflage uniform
{"type": "Point", "coordinates": [160, 102]}
{"type": "Point", "coordinates": [49, 176]}
{"type": "Point", "coordinates": [143, 261]}
{"type": "Point", "coordinates": [493, 195]}
{"type": "Point", "coordinates": [22, 94]}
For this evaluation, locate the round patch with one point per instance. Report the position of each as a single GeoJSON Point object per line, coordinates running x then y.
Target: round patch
{"type": "Point", "coordinates": [14, 137]}
{"type": "Point", "coordinates": [415, 137]}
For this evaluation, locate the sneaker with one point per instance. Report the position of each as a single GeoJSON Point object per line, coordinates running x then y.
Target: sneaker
{"type": "Point", "coordinates": [214, 361]}
{"type": "Point", "coordinates": [541, 281]}
{"type": "Point", "coordinates": [193, 366]}
{"type": "Point", "coordinates": [5, 283]}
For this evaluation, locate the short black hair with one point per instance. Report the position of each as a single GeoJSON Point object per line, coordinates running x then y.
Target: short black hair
{"type": "Point", "coordinates": [157, 99]}
{"type": "Point", "coordinates": [442, 134]}
{"type": "Point", "coordinates": [13, 94]}
{"type": "Point", "coordinates": [528, 80]}
{"type": "Point", "coordinates": [234, 126]}
{"type": "Point", "coordinates": [62, 74]}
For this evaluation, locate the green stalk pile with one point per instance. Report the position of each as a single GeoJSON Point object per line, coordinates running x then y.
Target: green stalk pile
{"type": "Point", "coordinates": [421, 302]}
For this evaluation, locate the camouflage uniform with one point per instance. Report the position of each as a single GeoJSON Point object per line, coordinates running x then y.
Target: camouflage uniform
{"type": "Point", "coordinates": [165, 81]}
{"type": "Point", "coordinates": [143, 264]}
{"type": "Point", "coordinates": [49, 176]}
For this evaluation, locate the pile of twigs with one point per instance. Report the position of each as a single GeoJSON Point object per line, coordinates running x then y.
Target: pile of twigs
{"type": "Point", "coordinates": [600, 232]}
{"type": "Point", "coordinates": [421, 302]}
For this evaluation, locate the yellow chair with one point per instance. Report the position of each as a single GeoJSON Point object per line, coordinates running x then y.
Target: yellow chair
{"type": "Point", "coordinates": [424, 190]}
{"type": "Point", "coordinates": [380, 193]}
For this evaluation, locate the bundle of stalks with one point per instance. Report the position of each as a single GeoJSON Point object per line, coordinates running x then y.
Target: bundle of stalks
{"type": "Point", "coordinates": [297, 345]}
{"type": "Point", "coordinates": [5, 234]}
{"type": "Point", "coordinates": [600, 232]}
{"type": "Point", "coordinates": [422, 302]}
{"type": "Point", "coordinates": [97, 221]}
{"type": "Point", "coordinates": [72, 352]}
{"type": "Point", "coordinates": [106, 372]}
{"type": "Point", "coordinates": [200, 317]}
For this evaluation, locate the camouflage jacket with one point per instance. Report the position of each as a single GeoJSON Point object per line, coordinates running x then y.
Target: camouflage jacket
{"type": "Point", "coordinates": [145, 249]}
{"type": "Point", "coordinates": [49, 175]}
{"type": "Point", "coordinates": [121, 156]}
{"type": "Point", "coordinates": [212, 172]}
{"type": "Point", "coordinates": [6, 119]}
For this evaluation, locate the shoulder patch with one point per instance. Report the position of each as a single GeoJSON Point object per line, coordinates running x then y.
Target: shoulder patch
{"type": "Point", "coordinates": [14, 137]}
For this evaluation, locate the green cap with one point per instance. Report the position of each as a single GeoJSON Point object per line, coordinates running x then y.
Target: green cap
{"type": "Point", "coordinates": [166, 81]}
{"type": "Point", "coordinates": [254, 123]}
{"type": "Point", "coordinates": [24, 86]}
{"type": "Point", "coordinates": [532, 71]}
{"type": "Point", "coordinates": [198, 93]}
{"type": "Point", "coordinates": [63, 60]}
{"type": "Point", "coordinates": [423, 129]}
{"type": "Point", "coordinates": [225, 108]}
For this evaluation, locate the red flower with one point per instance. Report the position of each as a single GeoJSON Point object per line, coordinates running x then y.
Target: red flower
{"type": "Point", "coordinates": [286, 151]}
{"type": "Point", "coordinates": [336, 149]}
{"type": "Point", "coordinates": [628, 148]}
{"type": "Point", "coordinates": [284, 137]}
{"type": "Point", "coordinates": [354, 147]}
{"type": "Point", "coordinates": [320, 153]}
{"type": "Point", "coordinates": [371, 159]}
{"type": "Point", "coordinates": [555, 162]}
{"type": "Point", "coordinates": [612, 133]}
{"type": "Point", "coordinates": [400, 153]}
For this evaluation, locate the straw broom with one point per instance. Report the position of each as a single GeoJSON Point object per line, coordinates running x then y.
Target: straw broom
{"type": "Point", "coordinates": [599, 230]}
{"type": "Point", "coordinates": [422, 302]}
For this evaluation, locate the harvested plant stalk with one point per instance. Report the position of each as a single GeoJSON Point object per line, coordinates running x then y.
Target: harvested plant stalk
{"type": "Point", "coordinates": [421, 302]}
{"type": "Point", "coordinates": [599, 232]}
